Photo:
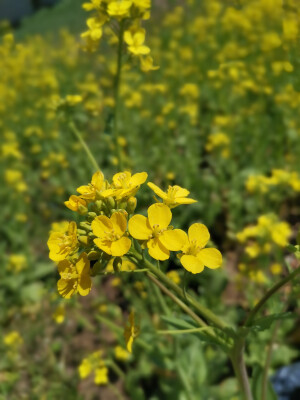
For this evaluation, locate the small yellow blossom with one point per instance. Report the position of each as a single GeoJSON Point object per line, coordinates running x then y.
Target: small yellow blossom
{"type": "Point", "coordinates": [276, 269]}
{"type": "Point", "coordinates": [174, 276]}
{"type": "Point", "coordinates": [121, 354]}
{"type": "Point", "coordinates": [76, 203]}
{"type": "Point", "coordinates": [110, 234]}
{"type": "Point", "coordinates": [155, 231]}
{"type": "Point", "coordinates": [174, 196]}
{"type": "Point", "coordinates": [194, 256]}
{"type": "Point", "coordinates": [131, 331]}
{"type": "Point", "coordinates": [62, 244]}
{"type": "Point", "coordinates": [93, 189]}
{"type": "Point", "coordinates": [13, 340]}
{"type": "Point", "coordinates": [135, 41]}
{"type": "Point", "coordinates": [74, 278]}
{"type": "Point", "coordinates": [59, 314]}
{"type": "Point", "coordinates": [101, 376]}
{"type": "Point", "coordinates": [119, 9]}
{"type": "Point", "coordinates": [125, 185]}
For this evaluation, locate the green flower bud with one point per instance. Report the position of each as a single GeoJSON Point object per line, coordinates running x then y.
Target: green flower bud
{"type": "Point", "coordinates": [111, 202]}
{"type": "Point", "coordinates": [82, 210]}
{"type": "Point", "coordinates": [117, 264]}
{"type": "Point", "coordinates": [85, 226]}
{"type": "Point", "coordinates": [93, 255]}
{"type": "Point", "coordinates": [83, 240]}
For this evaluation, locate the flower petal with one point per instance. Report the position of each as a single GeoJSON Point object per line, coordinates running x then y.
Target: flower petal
{"type": "Point", "coordinates": [66, 288]}
{"type": "Point", "coordinates": [173, 239]}
{"type": "Point", "coordinates": [139, 178]}
{"type": "Point", "coordinates": [84, 285]}
{"type": "Point", "coordinates": [139, 227]}
{"type": "Point", "coordinates": [157, 250]}
{"type": "Point", "coordinates": [97, 180]}
{"type": "Point", "coordinates": [157, 190]}
{"type": "Point", "coordinates": [192, 264]}
{"type": "Point", "coordinates": [120, 247]}
{"type": "Point", "coordinates": [185, 200]}
{"type": "Point", "coordinates": [211, 258]}
{"type": "Point", "coordinates": [119, 222]}
{"type": "Point", "coordinates": [83, 264]}
{"type": "Point", "coordinates": [104, 245]}
{"type": "Point", "coordinates": [101, 225]}
{"type": "Point", "coordinates": [199, 233]}
{"type": "Point", "coordinates": [159, 214]}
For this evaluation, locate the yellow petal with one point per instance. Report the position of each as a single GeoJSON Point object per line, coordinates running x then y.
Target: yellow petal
{"type": "Point", "coordinates": [120, 247]}
{"type": "Point", "coordinates": [139, 227]}
{"type": "Point", "coordinates": [104, 245]}
{"type": "Point", "coordinates": [211, 258]}
{"type": "Point", "coordinates": [173, 239]}
{"type": "Point", "coordinates": [185, 200]}
{"type": "Point", "coordinates": [128, 38]}
{"type": "Point", "coordinates": [63, 265]}
{"type": "Point", "coordinates": [83, 264]}
{"type": "Point", "coordinates": [138, 179]}
{"type": "Point", "coordinates": [139, 38]}
{"type": "Point", "coordinates": [101, 225]}
{"type": "Point", "coordinates": [157, 250]}
{"type": "Point", "coordinates": [66, 288]}
{"type": "Point", "coordinates": [119, 222]}
{"type": "Point", "coordinates": [159, 214]}
{"type": "Point", "coordinates": [192, 264]}
{"type": "Point", "coordinates": [199, 233]}
{"type": "Point", "coordinates": [120, 178]}
{"type": "Point", "coordinates": [97, 180]}
{"type": "Point", "coordinates": [181, 192]}
{"type": "Point", "coordinates": [157, 190]}
{"type": "Point", "coordinates": [84, 285]}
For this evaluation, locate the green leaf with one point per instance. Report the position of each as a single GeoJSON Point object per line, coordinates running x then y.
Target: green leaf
{"type": "Point", "coordinates": [264, 323]}
{"type": "Point", "coordinates": [256, 385]}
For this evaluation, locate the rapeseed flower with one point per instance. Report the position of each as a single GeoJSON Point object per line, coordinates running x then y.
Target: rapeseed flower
{"type": "Point", "coordinates": [174, 196]}
{"type": "Point", "coordinates": [91, 191]}
{"type": "Point", "coordinates": [155, 231]}
{"type": "Point", "coordinates": [125, 185]}
{"type": "Point", "coordinates": [110, 234]}
{"type": "Point", "coordinates": [63, 244]}
{"type": "Point", "coordinates": [135, 41]}
{"type": "Point", "coordinates": [74, 278]}
{"type": "Point", "coordinates": [131, 331]}
{"type": "Point", "coordinates": [194, 256]}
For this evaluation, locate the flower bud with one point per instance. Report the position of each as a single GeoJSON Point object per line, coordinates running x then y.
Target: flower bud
{"type": "Point", "coordinates": [99, 205]}
{"type": "Point", "coordinates": [93, 255]}
{"type": "Point", "coordinates": [85, 226]}
{"type": "Point", "coordinates": [131, 205]}
{"type": "Point", "coordinates": [111, 202]}
{"type": "Point", "coordinates": [117, 264]}
{"type": "Point", "coordinates": [83, 240]}
{"type": "Point", "coordinates": [82, 210]}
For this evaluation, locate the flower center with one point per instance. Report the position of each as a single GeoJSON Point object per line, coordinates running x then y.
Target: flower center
{"type": "Point", "coordinates": [156, 231]}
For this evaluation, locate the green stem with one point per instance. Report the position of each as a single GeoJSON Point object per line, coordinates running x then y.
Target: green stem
{"type": "Point", "coordinates": [264, 386]}
{"type": "Point", "coordinates": [86, 148]}
{"type": "Point", "coordinates": [183, 331]}
{"type": "Point", "coordinates": [269, 294]}
{"type": "Point", "coordinates": [117, 94]}
{"type": "Point", "coordinates": [205, 312]}
{"type": "Point", "coordinates": [115, 368]}
{"type": "Point", "coordinates": [239, 367]}
{"type": "Point", "coordinates": [134, 271]}
{"type": "Point", "coordinates": [176, 300]}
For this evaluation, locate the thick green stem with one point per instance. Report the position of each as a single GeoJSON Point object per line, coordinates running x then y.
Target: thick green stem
{"type": "Point", "coordinates": [86, 148]}
{"type": "Point", "coordinates": [269, 294]}
{"type": "Point", "coordinates": [239, 367]}
{"type": "Point", "coordinates": [117, 94]}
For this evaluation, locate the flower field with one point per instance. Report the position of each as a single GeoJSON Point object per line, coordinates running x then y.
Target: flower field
{"type": "Point", "coordinates": [150, 186]}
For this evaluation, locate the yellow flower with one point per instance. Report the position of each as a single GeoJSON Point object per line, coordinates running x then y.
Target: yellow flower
{"type": "Point", "coordinates": [95, 29]}
{"type": "Point", "coordinates": [91, 191]}
{"type": "Point", "coordinates": [76, 203]}
{"type": "Point", "coordinates": [119, 8]}
{"type": "Point", "coordinates": [174, 196]}
{"type": "Point", "coordinates": [13, 339]}
{"type": "Point", "coordinates": [130, 332]}
{"type": "Point", "coordinates": [135, 41]}
{"type": "Point", "coordinates": [101, 376]}
{"type": "Point", "coordinates": [62, 244]}
{"type": "Point", "coordinates": [110, 233]}
{"type": "Point", "coordinates": [74, 278]}
{"type": "Point", "coordinates": [194, 257]}
{"type": "Point", "coordinates": [276, 269]}
{"type": "Point", "coordinates": [93, 5]}
{"type": "Point", "coordinates": [121, 353]}
{"type": "Point", "coordinates": [174, 276]}
{"type": "Point", "coordinates": [156, 232]}
{"type": "Point", "coordinates": [147, 64]}
{"type": "Point", "coordinates": [85, 368]}
{"type": "Point", "coordinates": [59, 314]}
{"type": "Point", "coordinates": [125, 185]}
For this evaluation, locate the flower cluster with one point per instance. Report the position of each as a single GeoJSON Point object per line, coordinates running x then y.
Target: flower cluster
{"type": "Point", "coordinates": [278, 178]}
{"type": "Point", "coordinates": [129, 14]}
{"type": "Point", "coordinates": [96, 365]}
{"type": "Point", "coordinates": [109, 230]}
